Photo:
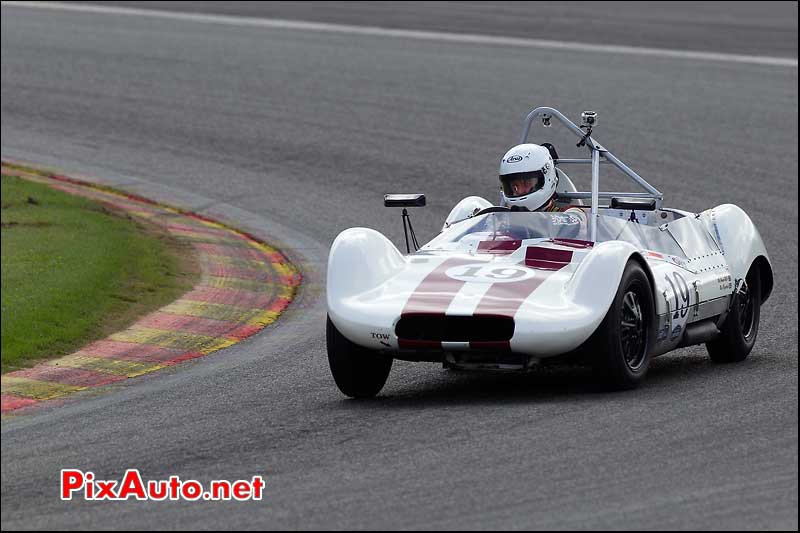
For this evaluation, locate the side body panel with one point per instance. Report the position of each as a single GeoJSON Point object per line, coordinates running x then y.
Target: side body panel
{"type": "Point", "coordinates": [739, 240]}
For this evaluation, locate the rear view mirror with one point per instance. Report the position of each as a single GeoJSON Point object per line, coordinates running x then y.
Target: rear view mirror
{"type": "Point", "coordinates": [404, 200]}
{"type": "Point", "coordinates": [642, 204]}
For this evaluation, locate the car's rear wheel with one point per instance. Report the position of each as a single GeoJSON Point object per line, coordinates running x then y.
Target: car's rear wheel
{"type": "Point", "coordinates": [738, 333]}
{"type": "Point", "coordinates": [358, 372]}
{"type": "Point", "coordinates": [623, 342]}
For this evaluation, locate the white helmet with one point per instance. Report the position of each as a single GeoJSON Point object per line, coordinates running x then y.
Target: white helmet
{"type": "Point", "coordinates": [527, 176]}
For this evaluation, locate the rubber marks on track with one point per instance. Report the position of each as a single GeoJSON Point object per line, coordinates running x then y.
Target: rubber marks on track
{"type": "Point", "coordinates": [244, 286]}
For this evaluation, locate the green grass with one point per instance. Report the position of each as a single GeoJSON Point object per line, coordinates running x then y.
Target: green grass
{"type": "Point", "coordinates": [73, 272]}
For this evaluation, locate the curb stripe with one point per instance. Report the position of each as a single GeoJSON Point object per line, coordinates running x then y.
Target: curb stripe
{"type": "Point", "coordinates": [214, 311]}
{"type": "Point", "coordinates": [192, 324]}
{"type": "Point", "coordinates": [199, 227]}
{"type": "Point", "coordinates": [10, 402]}
{"type": "Point", "coordinates": [264, 319]}
{"type": "Point", "coordinates": [211, 240]}
{"type": "Point", "coordinates": [226, 271]}
{"type": "Point", "coordinates": [130, 351]}
{"type": "Point", "coordinates": [229, 249]}
{"type": "Point", "coordinates": [172, 339]}
{"type": "Point", "coordinates": [68, 376]}
{"type": "Point", "coordinates": [105, 365]}
{"type": "Point", "coordinates": [240, 262]}
{"type": "Point", "coordinates": [229, 297]}
{"type": "Point", "coordinates": [38, 390]}
{"type": "Point", "coordinates": [184, 357]}
{"type": "Point", "coordinates": [244, 286]}
{"type": "Point", "coordinates": [242, 332]}
{"type": "Point", "coordinates": [241, 284]}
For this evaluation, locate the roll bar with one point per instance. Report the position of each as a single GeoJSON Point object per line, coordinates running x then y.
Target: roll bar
{"type": "Point", "coordinates": [599, 154]}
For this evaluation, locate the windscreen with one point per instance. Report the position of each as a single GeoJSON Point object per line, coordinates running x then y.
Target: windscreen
{"type": "Point", "coordinates": [489, 231]}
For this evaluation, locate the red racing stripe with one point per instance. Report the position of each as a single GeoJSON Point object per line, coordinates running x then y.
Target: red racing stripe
{"type": "Point", "coordinates": [436, 291]}
{"type": "Point", "coordinates": [554, 255]}
{"type": "Point", "coordinates": [499, 247]}
{"type": "Point", "coordinates": [494, 346]}
{"type": "Point", "coordinates": [504, 299]}
{"type": "Point", "coordinates": [410, 344]}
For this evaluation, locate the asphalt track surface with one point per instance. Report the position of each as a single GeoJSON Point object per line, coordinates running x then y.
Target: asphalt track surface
{"type": "Point", "coordinates": [295, 136]}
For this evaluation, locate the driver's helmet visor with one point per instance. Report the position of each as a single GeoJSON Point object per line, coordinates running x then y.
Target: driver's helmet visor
{"type": "Point", "coordinates": [521, 183]}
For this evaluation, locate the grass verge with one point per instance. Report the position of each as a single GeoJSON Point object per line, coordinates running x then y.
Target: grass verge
{"type": "Point", "coordinates": [73, 271]}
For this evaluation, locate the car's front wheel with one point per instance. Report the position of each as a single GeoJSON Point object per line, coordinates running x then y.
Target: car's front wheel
{"type": "Point", "coordinates": [357, 371]}
{"type": "Point", "coordinates": [738, 333]}
{"type": "Point", "coordinates": [623, 341]}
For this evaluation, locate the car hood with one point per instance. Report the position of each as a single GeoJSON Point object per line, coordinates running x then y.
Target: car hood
{"type": "Point", "coordinates": [528, 284]}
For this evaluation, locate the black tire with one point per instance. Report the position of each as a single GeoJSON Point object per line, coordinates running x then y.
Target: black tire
{"type": "Point", "coordinates": [740, 329]}
{"type": "Point", "coordinates": [358, 372]}
{"type": "Point", "coordinates": [623, 342]}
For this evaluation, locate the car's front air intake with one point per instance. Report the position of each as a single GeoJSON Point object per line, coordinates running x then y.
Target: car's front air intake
{"type": "Point", "coordinates": [443, 328]}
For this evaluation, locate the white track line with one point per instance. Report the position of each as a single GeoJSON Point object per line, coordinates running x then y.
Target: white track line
{"type": "Point", "coordinates": [464, 38]}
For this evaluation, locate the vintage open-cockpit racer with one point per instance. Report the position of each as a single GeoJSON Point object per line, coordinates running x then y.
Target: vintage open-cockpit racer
{"type": "Point", "coordinates": [501, 288]}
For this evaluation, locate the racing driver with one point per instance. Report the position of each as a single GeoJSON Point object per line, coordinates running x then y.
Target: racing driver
{"type": "Point", "coordinates": [528, 181]}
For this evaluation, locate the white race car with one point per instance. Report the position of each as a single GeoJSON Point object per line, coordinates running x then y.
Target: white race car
{"type": "Point", "coordinates": [501, 288]}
